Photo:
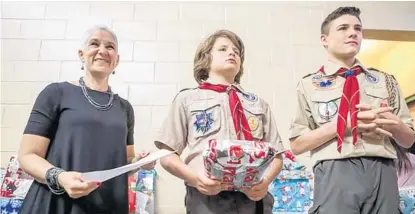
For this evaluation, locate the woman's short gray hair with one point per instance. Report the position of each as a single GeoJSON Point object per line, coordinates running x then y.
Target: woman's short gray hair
{"type": "Point", "coordinates": [96, 28]}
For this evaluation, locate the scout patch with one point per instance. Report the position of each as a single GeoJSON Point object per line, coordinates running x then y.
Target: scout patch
{"type": "Point", "coordinates": [323, 82]}
{"type": "Point", "coordinates": [203, 122]}
{"type": "Point", "coordinates": [371, 78]}
{"type": "Point", "coordinates": [327, 110]}
{"type": "Point", "coordinates": [250, 97]}
{"type": "Point", "coordinates": [253, 123]}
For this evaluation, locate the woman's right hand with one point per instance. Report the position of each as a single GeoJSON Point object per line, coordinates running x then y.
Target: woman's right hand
{"type": "Point", "coordinates": [75, 186]}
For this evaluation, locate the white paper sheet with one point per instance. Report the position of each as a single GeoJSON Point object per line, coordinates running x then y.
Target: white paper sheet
{"type": "Point", "coordinates": [101, 176]}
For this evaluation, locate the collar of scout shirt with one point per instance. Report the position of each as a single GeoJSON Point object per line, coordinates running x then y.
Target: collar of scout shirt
{"type": "Point", "coordinates": [236, 85]}
{"type": "Point", "coordinates": [330, 68]}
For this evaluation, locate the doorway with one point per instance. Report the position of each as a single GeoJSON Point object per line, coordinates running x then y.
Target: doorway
{"type": "Point", "coordinates": [392, 52]}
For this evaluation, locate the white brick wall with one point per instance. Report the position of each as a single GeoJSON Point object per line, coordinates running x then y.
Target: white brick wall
{"type": "Point", "coordinates": [41, 29]}
{"type": "Point", "coordinates": [156, 11]}
{"type": "Point", "coordinates": [156, 51]}
{"type": "Point", "coordinates": [20, 49]}
{"type": "Point", "coordinates": [39, 42]}
{"type": "Point", "coordinates": [135, 30]}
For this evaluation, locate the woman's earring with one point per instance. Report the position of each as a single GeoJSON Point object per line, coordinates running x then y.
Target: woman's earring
{"type": "Point", "coordinates": [82, 66]}
{"type": "Point", "coordinates": [113, 72]}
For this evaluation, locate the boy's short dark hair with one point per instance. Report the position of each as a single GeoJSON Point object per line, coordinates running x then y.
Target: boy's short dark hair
{"type": "Point", "coordinates": [341, 11]}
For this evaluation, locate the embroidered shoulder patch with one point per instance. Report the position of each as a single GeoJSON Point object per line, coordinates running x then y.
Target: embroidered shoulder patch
{"type": "Point", "coordinates": [250, 97]}
{"type": "Point", "coordinates": [372, 78]}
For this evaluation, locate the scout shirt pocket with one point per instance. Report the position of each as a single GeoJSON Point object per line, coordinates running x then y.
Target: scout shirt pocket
{"type": "Point", "coordinates": [325, 105]}
{"type": "Point", "coordinates": [377, 97]}
{"type": "Point", "coordinates": [205, 118]}
{"type": "Point", "coordinates": [255, 115]}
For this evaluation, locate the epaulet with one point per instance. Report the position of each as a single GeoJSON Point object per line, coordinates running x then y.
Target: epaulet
{"type": "Point", "coordinates": [387, 75]}
{"type": "Point", "coordinates": [374, 69]}
{"type": "Point", "coordinates": [309, 74]}
{"type": "Point", "coordinates": [184, 89]}
{"type": "Point", "coordinates": [321, 69]}
{"type": "Point", "coordinates": [391, 84]}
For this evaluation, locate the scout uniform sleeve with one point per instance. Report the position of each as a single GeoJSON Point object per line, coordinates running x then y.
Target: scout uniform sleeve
{"type": "Point", "coordinates": [271, 133]}
{"type": "Point", "coordinates": [173, 132]}
{"type": "Point", "coordinates": [303, 120]}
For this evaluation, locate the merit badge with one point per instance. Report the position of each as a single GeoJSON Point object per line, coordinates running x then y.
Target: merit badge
{"type": "Point", "coordinates": [203, 122]}
{"type": "Point", "coordinates": [371, 78]}
{"type": "Point", "coordinates": [253, 123]}
{"type": "Point", "coordinates": [327, 110]}
{"type": "Point", "coordinates": [323, 82]}
{"type": "Point", "coordinates": [250, 97]}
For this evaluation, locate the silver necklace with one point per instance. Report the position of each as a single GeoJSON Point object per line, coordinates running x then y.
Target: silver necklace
{"type": "Point", "coordinates": [93, 103]}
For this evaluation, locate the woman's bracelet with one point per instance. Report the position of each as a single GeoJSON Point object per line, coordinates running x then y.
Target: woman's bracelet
{"type": "Point", "coordinates": [52, 180]}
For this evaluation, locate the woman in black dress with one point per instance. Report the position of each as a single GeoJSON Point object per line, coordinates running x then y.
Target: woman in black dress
{"type": "Point", "coordinates": [77, 127]}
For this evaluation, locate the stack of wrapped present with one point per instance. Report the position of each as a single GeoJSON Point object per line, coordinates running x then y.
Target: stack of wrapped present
{"type": "Point", "coordinates": [132, 183]}
{"type": "Point", "coordinates": [15, 184]}
{"type": "Point", "coordinates": [292, 188]}
{"type": "Point", "coordinates": [2, 174]}
{"type": "Point", "coordinates": [14, 187]}
{"type": "Point", "coordinates": [407, 199]}
{"type": "Point", "coordinates": [145, 190]}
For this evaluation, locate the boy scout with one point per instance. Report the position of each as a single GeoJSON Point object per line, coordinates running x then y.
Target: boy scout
{"type": "Point", "coordinates": [349, 117]}
{"type": "Point", "coordinates": [200, 114]}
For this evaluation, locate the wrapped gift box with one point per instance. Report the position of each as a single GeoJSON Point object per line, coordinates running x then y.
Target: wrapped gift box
{"type": "Point", "coordinates": [291, 189]}
{"type": "Point", "coordinates": [407, 199]}
{"type": "Point", "coordinates": [145, 190]}
{"type": "Point", "coordinates": [2, 174]}
{"type": "Point", "coordinates": [292, 195]}
{"type": "Point", "coordinates": [15, 183]}
{"type": "Point", "coordinates": [238, 163]}
{"type": "Point", "coordinates": [10, 205]}
{"type": "Point", "coordinates": [132, 181]}
{"type": "Point", "coordinates": [14, 186]}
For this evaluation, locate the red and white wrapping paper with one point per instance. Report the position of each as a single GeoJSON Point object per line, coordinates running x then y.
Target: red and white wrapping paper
{"type": "Point", "coordinates": [238, 163]}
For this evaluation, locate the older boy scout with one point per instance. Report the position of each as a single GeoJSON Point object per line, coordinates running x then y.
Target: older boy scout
{"type": "Point", "coordinates": [351, 118]}
{"type": "Point", "coordinates": [200, 114]}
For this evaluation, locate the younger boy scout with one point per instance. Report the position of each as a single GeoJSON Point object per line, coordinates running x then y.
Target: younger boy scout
{"type": "Point", "coordinates": [200, 114]}
{"type": "Point", "coordinates": [350, 117]}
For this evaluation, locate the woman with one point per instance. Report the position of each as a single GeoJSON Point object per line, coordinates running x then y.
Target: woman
{"type": "Point", "coordinates": [77, 127]}
{"type": "Point", "coordinates": [405, 165]}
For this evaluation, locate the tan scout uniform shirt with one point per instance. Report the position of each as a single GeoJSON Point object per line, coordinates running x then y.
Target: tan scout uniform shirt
{"type": "Point", "coordinates": [318, 104]}
{"type": "Point", "coordinates": [197, 115]}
